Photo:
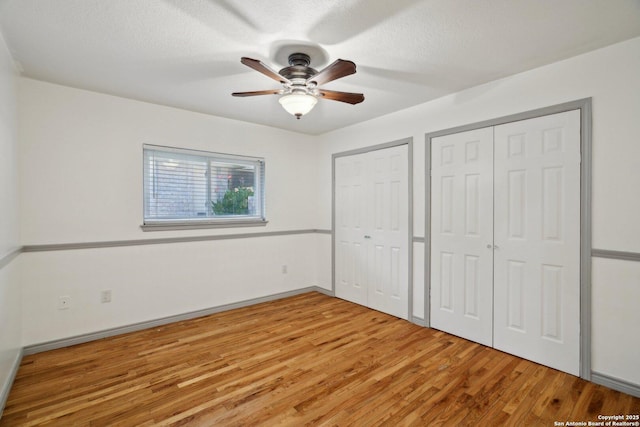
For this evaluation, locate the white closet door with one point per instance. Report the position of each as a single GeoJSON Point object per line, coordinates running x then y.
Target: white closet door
{"type": "Point", "coordinates": [462, 234]}
{"type": "Point", "coordinates": [351, 251]}
{"type": "Point", "coordinates": [537, 239]}
{"type": "Point", "coordinates": [389, 231]}
{"type": "Point", "coordinates": [372, 229]}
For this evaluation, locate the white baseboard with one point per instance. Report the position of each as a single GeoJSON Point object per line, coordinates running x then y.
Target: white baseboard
{"type": "Point", "coordinates": [616, 384]}
{"type": "Point", "coordinates": [92, 336]}
{"type": "Point", "coordinates": [6, 387]}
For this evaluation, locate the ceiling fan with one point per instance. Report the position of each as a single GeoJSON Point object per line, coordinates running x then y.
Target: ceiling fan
{"type": "Point", "coordinates": [300, 82]}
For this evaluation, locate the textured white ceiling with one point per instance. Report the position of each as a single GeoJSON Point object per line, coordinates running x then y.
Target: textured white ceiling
{"type": "Point", "coordinates": [186, 53]}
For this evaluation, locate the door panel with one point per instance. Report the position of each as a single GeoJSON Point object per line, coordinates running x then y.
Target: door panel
{"type": "Point", "coordinates": [390, 234]}
{"type": "Point", "coordinates": [533, 186]}
{"type": "Point", "coordinates": [351, 273]}
{"type": "Point", "coordinates": [372, 229]}
{"type": "Point", "coordinates": [537, 239]}
{"type": "Point", "coordinates": [461, 230]}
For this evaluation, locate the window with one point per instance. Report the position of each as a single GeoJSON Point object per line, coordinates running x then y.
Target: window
{"type": "Point", "coordinates": [190, 189]}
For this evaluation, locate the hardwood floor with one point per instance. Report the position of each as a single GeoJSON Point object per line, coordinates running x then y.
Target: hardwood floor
{"type": "Point", "coordinates": [304, 360]}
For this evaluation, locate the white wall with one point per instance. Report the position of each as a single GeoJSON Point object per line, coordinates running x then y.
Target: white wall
{"type": "Point", "coordinates": [81, 181]}
{"type": "Point", "coordinates": [155, 281]}
{"type": "Point", "coordinates": [9, 230]}
{"type": "Point", "coordinates": [615, 319]}
{"type": "Point", "coordinates": [10, 328]}
{"type": "Point", "coordinates": [611, 77]}
{"type": "Point", "coordinates": [81, 163]}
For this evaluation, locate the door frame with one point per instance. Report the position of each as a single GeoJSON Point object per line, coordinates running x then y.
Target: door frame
{"type": "Point", "coordinates": [409, 143]}
{"type": "Point", "coordinates": [584, 105]}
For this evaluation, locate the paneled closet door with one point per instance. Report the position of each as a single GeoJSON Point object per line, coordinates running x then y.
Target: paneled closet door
{"type": "Point", "coordinates": [462, 234]}
{"type": "Point", "coordinates": [388, 213]}
{"type": "Point", "coordinates": [372, 229]}
{"type": "Point", "coordinates": [351, 226]}
{"type": "Point", "coordinates": [537, 240]}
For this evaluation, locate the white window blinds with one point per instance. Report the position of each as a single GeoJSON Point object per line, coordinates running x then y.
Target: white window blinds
{"type": "Point", "coordinates": [196, 186]}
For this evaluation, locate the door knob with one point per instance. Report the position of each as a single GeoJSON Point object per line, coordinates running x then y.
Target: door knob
{"type": "Point", "coordinates": [367, 236]}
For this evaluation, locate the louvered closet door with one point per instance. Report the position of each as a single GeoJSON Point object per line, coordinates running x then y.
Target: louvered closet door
{"type": "Point", "coordinates": [537, 238]}
{"type": "Point", "coordinates": [462, 234]}
{"type": "Point", "coordinates": [372, 229]}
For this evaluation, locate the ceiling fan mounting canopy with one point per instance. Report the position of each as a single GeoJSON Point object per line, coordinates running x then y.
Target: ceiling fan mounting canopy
{"type": "Point", "coordinates": [300, 83]}
{"type": "Point", "coordinates": [299, 59]}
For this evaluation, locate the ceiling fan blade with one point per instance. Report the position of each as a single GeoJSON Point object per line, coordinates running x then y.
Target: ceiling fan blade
{"type": "Point", "coordinates": [264, 69]}
{"type": "Point", "coordinates": [340, 68]}
{"type": "Point", "coordinates": [258, 92]}
{"type": "Point", "coordinates": [348, 97]}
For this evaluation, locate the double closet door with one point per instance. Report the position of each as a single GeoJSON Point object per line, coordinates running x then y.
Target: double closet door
{"type": "Point", "coordinates": [505, 238]}
{"type": "Point", "coordinates": [371, 241]}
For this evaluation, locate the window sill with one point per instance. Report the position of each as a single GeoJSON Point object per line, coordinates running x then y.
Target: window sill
{"type": "Point", "coordinates": [184, 225]}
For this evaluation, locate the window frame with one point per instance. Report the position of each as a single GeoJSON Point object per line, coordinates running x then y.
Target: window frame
{"type": "Point", "coordinates": [155, 224]}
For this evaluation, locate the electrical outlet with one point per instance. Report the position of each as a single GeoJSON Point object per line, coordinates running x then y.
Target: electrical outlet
{"type": "Point", "coordinates": [64, 302]}
{"type": "Point", "coordinates": [284, 269]}
{"type": "Point", "coordinates": [105, 296]}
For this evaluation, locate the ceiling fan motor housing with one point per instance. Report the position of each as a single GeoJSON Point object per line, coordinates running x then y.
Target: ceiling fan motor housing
{"type": "Point", "coordinates": [298, 67]}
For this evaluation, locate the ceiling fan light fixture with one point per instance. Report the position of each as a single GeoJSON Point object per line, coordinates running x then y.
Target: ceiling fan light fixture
{"type": "Point", "coordinates": [298, 104]}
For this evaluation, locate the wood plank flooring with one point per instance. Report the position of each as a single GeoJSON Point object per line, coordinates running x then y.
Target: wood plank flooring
{"type": "Point", "coordinates": [304, 360]}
